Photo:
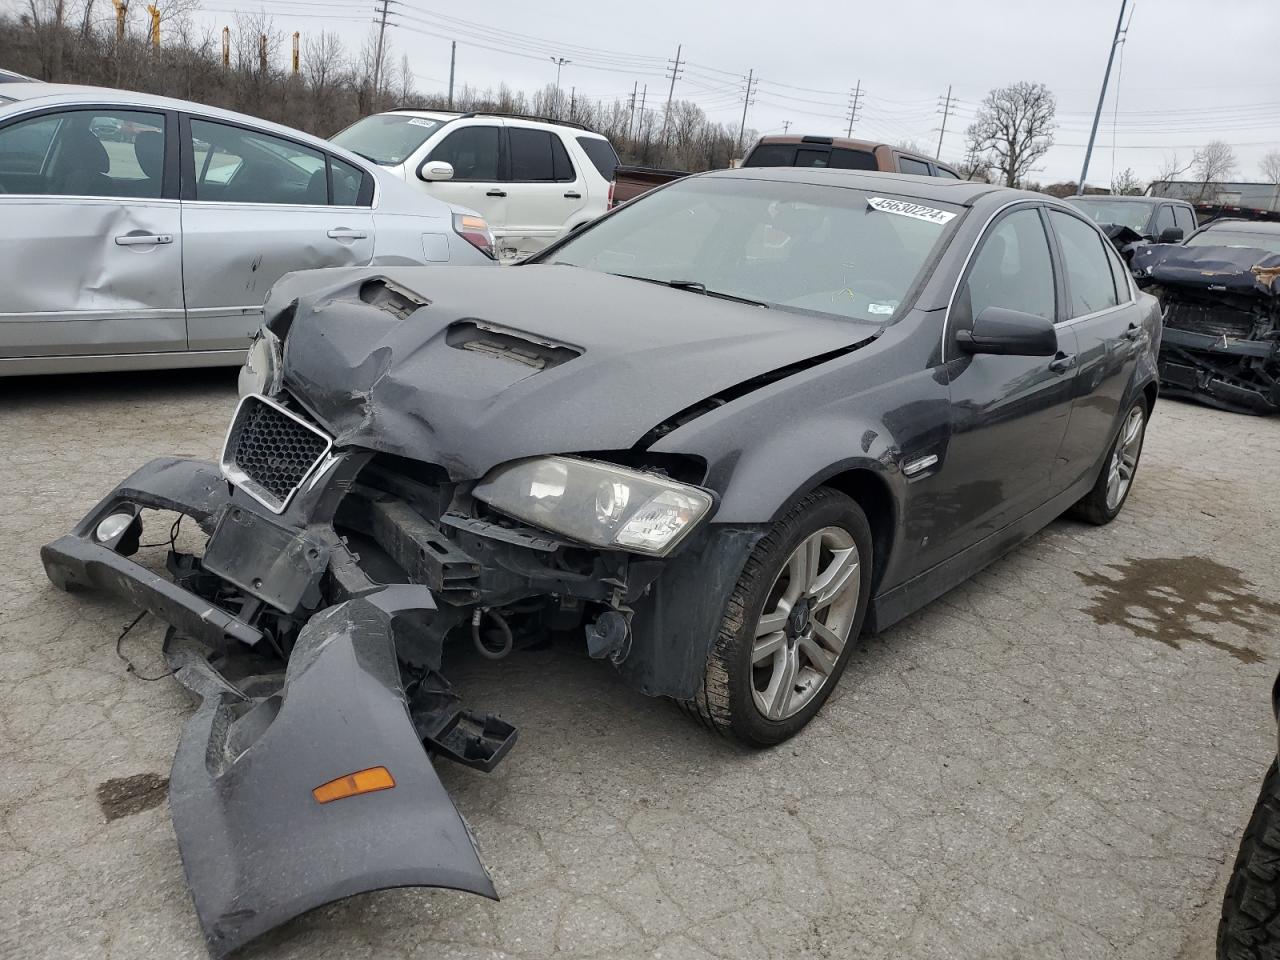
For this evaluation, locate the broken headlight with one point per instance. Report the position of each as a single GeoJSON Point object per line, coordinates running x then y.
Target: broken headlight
{"type": "Point", "coordinates": [263, 366]}
{"type": "Point", "coordinates": [597, 503]}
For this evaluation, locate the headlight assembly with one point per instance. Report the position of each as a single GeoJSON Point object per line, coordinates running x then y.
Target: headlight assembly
{"type": "Point", "coordinates": [263, 367]}
{"type": "Point", "coordinates": [597, 503]}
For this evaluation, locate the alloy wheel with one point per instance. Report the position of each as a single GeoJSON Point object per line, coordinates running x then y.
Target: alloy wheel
{"type": "Point", "coordinates": [808, 612]}
{"type": "Point", "coordinates": [1124, 459]}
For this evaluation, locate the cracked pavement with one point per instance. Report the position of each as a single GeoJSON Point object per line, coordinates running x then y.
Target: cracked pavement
{"type": "Point", "coordinates": [1040, 764]}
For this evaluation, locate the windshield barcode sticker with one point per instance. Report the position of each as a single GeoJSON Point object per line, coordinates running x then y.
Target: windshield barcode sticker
{"type": "Point", "coordinates": [419, 122]}
{"type": "Point", "coordinates": [913, 210]}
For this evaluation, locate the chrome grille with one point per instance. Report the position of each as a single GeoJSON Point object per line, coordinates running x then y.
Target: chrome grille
{"type": "Point", "coordinates": [270, 451]}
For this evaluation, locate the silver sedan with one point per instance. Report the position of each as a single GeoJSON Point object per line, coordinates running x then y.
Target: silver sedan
{"type": "Point", "coordinates": [139, 232]}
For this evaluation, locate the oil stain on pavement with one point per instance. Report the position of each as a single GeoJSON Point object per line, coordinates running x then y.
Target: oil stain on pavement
{"type": "Point", "coordinates": [125, 796]}
{"type": "Point", "coordinates": [1178, 600]}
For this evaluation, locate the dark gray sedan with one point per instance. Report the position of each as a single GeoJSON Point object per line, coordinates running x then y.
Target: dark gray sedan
{"type": "Point", "coordinates": [720, 433]}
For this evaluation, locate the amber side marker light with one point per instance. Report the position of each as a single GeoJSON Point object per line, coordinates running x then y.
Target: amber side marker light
{"type": "Point", "coordinates": [362, 781]}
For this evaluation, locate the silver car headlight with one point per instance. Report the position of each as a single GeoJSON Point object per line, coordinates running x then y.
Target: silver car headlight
{"type": "Point", "coordinates": [263, 367]}
{"type": "Point", "coordinates": [597, 503]}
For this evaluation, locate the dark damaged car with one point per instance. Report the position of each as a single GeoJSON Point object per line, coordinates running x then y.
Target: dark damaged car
{"type": "Point", "coordinates": [721, 432]}
{"type": "Point", "coordinates": [1221, 304]}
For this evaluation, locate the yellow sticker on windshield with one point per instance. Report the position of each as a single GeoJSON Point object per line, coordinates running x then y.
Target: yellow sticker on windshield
{"type": "Point", "coordinates": [913, 210]}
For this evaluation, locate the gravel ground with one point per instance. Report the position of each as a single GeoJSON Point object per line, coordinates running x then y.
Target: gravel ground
{"type": "Point", "coordinates": [1054, 760]}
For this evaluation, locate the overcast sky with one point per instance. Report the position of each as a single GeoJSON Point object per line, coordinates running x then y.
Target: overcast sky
{"type": "Point", "coordinates": [1189, 71]}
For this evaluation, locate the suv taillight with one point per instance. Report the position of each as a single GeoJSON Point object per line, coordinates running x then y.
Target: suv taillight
{"type": "Point", "coordinates": [475, 230]}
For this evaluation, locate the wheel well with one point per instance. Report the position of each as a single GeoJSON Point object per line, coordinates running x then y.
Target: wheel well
{"type": "Point", "coordinates": [1150, 391]}
{"type": "Point", "coordinates": [872, 494]}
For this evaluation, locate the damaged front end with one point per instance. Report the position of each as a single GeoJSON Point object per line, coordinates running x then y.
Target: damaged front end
{"type": "Point", "coordinates": [336, 571]}
{"type": "Point", "coordinates": [1221, 341]}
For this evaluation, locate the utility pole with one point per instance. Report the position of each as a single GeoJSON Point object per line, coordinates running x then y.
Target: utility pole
{"type": "Point", "coordinates": [377, 62]}
{"type": "Point", "coordinates": [644, 92]}
{"type": "Point", "coordinates": [786, 125]}
{"type": "Point", "coordinates": [226, 47]}
{"type": "Point", "coordinates": [453, 59]}
{"type": "Point", "coordinates": [294, 60]}
{"type": "Point", "coordinates": [155, 25]}
{"type": "Point", "coordinates": [573, 102]}
{"type": "Point", "coordinates": [675, 72]}
{"type": "Point", "coordinates": [631, 119]}
{"type": "Point", "coordinates": [1097, 115]}
{"type": "Point", "coordinates": [746, 102]}
{"type": "Point", "coordinates": [262, 56]}
{"type": "Point", "coordinates": [122, 12]}
{"type": "Point", "coordinates": [854, 102]}
{"type": "Point", "coordinates": [559, 62]}
{"type": "Point", "coordinates": [946, 111]}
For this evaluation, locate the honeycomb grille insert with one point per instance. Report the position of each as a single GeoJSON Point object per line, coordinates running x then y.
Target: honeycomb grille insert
{"type": "Point", "coordinates": [269, 452]}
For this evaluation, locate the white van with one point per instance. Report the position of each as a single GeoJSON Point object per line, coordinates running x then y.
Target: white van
{"type": "Point", "coordinates": [533, 180]}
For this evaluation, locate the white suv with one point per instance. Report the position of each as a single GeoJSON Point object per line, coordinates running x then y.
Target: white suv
{"type": "Point", "coordinates": [533, 180]}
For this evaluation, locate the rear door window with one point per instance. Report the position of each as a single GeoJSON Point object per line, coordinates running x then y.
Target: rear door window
{"type": "Point", "coordinates": [531, 157]}
{"type": "Point", "coordinates": [235, 165]}
{"type": "Point", "coordinates": [1084, 258]}
{"type": "Point", "coordinates": [473, 152]}
{"type": "Point", "coordinates": [916, 167]}
{"type": "Point", "coordinates": [944, 172]}
{"type": "Point", "coordinates": [843, 158]}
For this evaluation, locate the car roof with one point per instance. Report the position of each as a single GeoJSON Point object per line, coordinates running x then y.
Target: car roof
{"type": "Point", "coordinates": [1149, 201]}
{"type": "Point", "coordinates": [27, 95]}
{"type": "Point", "coordinates": [446, 116]}
{"type": "Point", "coordinates": [945, 190]}
{"type": "Point", "coordinates": [1242, 226]}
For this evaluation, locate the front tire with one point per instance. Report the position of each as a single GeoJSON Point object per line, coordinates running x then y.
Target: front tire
{"type": "Point", "coordinates": [1250, 925]}
{"type": "Point", "coordinates": [1104, 502]}
{"type": "Point", "coordinates": [790, 624]}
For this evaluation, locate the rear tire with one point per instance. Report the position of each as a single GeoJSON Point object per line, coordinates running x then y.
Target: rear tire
{"type": "Point", "coordinates": [1101, 505]}
{"type": "Point", "coordinates": [799, 677]}
{"type": "Point", "coordinates": [1250, 925]}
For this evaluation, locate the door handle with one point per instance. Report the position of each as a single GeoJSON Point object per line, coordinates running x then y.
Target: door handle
{"type": "Point", "coordinates": [1133, 332]}
{"type": "Point", "coordinates": [346, 233]}
{"type": "Point", "coordinates": [495, 192]}
{"type": "Point", "coordinates": [1062, 362]}
{"type": "Point", "coordinates": [573, 195]}
{"type": "Point", "coordinates": [143, 239]}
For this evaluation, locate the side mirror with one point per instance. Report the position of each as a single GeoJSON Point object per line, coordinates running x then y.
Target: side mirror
{"type": "Point", "coordinates": [1009, 333]}
{"type": "Point", "coordinates": [1171, 235]}
{"type": "Point", "coordinates": [433, 170]}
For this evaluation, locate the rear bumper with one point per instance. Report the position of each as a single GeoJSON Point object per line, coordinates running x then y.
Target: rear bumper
{"type": "Point", "coordinates": [257, 846]}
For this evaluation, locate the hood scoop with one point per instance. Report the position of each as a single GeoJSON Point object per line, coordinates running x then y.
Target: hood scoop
{"type": "Point", "coordinates": [503, 343]}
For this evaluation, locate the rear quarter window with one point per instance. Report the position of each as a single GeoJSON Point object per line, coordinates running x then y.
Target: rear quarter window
{"type": "Point", "coordinates": [772, 155]}
{"type": "Point", "coordinates": [601, 154]}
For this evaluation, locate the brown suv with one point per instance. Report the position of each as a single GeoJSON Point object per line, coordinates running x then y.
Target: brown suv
{"type": "Point", "coordinates": [842, 154]}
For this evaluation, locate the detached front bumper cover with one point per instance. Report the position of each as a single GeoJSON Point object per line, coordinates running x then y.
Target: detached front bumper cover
{"type": "Point", "coordinates": [257, 846]}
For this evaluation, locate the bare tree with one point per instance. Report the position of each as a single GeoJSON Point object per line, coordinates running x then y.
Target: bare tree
{"type": "Point", "coordinates": [322, 63]}
{"type": "Point", "coordinates": [1212, 164]}
{"type": "Point", "coordinates": [1013, 129]}
{"type": "Point", "coordinates": [1171, 169]}
{"type": "Point", "coordinates": [48, 22]}
{"type": "Point", "coordinates": [1126, 183]}
{"type": "Point", "coordinates": [1270, 167]}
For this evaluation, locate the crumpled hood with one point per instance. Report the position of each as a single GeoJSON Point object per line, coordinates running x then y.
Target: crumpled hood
{"type": "Point", "coordinates": [1247, 270]}
{"type": "Point", "coordinates": [493, 365]}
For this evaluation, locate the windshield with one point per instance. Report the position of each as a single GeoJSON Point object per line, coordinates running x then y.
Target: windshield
{"type": "Point", "coordinates": [1224, 237]}
{"type": "Point", "coordinates": [387, 138]}
{"type": "Point", "coordinates": [1122, 212]}
{"type": "Point", "coordinates": [831, 250]}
